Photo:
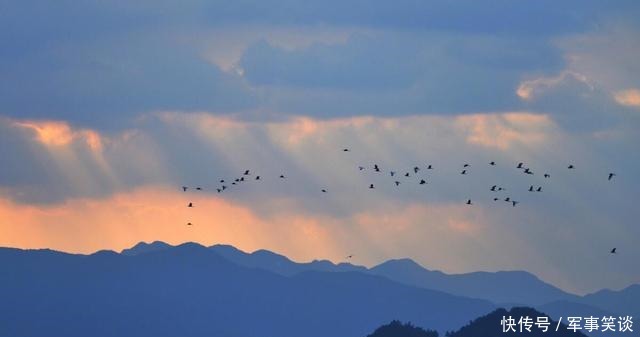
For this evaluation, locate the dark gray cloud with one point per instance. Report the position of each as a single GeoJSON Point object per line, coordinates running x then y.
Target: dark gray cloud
{"type": "Point", "coordinates": [103, 64]}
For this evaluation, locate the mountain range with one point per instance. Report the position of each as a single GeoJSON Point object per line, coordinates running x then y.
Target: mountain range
{"type": "Point", "coordinates": [161, 290]}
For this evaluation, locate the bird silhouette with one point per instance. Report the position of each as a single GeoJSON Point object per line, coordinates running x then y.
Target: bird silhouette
{"type": "Point", "coordinates": [539, 189]}
{"type": "Point", "coordinates": [547, 175]}
{"type": "Point", "coordinates": [246, 172]}
{"type": "Point", "coordinates": [224, 187]}
{"type": "Point", "coordinates": [496, 199]}
{"type": "Point", "coordinates": [416, 169]}
{"type": "Point", "coordinates": [345, 150]}
{"type": "Point", "coordinates": [189, 224]}
{"type": "Point", "coordinates": [241, 178]}
{"type": "Point", "coordinates": [349, 256]}
{"type": "Point", "coordinates": [392, 173]}
{"type": "Point", "coordinates": [422, 182]}
{"type": "Point", "coordinates": [570, 167]}
{"type": "Point", "coordinates": [514, 203]}
{"type": "Point", "coordinates": [198, 188]}
{"type": "Point", "coordinates": [282, 176]}
{"type": "Point", "coordinates": [493, 188]}
{"type": "Point", "coordinates": [531, 188]}
{"type": "Point", "coordinates": [528, 171]}
{"type": "Point", "coordinates": [429, 167]}
{"type": "Point", "coordinates": [463, 172]}
{"type": "Point", "coordinates": [190, 204]}
{"type": "Point", "coordinates": [613, 251]}
{"type": "Point", "coordinates": [465, 165]}
{"type": "Point", "coordinates": [519, 165]}
{"type": "Point", "coordinates": [371, 186]}
{"type": "Point", "coordinates": [397, 183]}
{"type": "Point", "coordinates": [324, 191]}
{"type": "Point", "coordinates": [221, 181]}
{"type": "Point", "coordinates": [376, 168]}
{"type": "Point", "coordinates": [219, 190]}
{"type": "Point", "coordinates": [507, 199]}
{"type": "Point", "coordinates": [469, 202]}
{"type": "Point", "coordinates": [184, 188]}
{"type": "Point", "coordinates": [406, 174]}
{"type": "Point", "coordinates": [361, 168]}
{"type": "Point", "coordinates": [611, 175]}
{"type": "Point", "coordinates": [493, 163]}
{"type": "Point", "coordinates": [257, 177]}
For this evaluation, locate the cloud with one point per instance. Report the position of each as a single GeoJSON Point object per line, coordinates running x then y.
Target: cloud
{"type": "Point", "coordinates": [503, 131]}
{"type": "Point", "coordinates": [630, 97]}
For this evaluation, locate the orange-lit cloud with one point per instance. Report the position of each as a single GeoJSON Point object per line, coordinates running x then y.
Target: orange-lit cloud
{"type": "Point", "coordinates": [147, 214]}
{"type": "Point", "coordinates": [528, 90]}
{"type": "Point", "coordinates": [56, 134]}
{"type": "Point", "coordinates": [629, 97]}
{"type": "Point", "coordinates": [503, 130]}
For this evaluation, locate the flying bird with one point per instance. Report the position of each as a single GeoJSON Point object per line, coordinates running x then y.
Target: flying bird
{"type": "Point", "coordinates": [350, 256]}
{"type": "Point", "coordinates": [219, 190]}
{"type": "Point", "coordinates": [465, 165]}
{"type": "Point", "coordinates": [531, 188]}
{"type": "Point", "coordinates": [257, 177]}
{"type": "Point", "coordinates": [514, 203]}
{"type": "Point", "coordinates": [198, 188]}
{"type": "Point", "coordinates": [246, 173]}
{"type": "Point", "coordinates": [392, 173]}
{"type": "Point", "coordinates": [324, 191]}
{"type": "Point", "coordinates": [189, 224]}
{"type": "Point", "coordinates": [613, 251]}
{"type": "Point", "coordinates": [190, 204]}
{"type": "Point", "coordinates": [469, 202]}
{"type": "Point", "coordinates": [422, 182]}
{"type": "Point", "coordinates": [397, 183]}
{"type": "Point", "coordinates": [406, 174]}
{"type": "Point", "coordinates": [507, 199]}
{"type": "Point", "coordinates": [496, 199]}
{"type": "Point", "coordinates": [463, 172]}
{"type": "Point", "coordinates": [429, 167]}
{"type": "Point", "coordinates": [570, 167]}
{"type": "Point", "coordinates": [345, 150]}
{"type": "Point", "coordinates": [539, 189]}
{"type": "Point", "coordinates": [371, 186]}
{"type": "Point", "coordinates": [547, 175]}
{"type": "Point", "coordinates": [361, 168]}
{"type": "Point", "coordinates": [221, 181]}
{"type": "Point", "coordinates": [493, 163]}
{"type": "Point", "coordinates": [376, 168]}
{"type": "Point", "coordinates": [282, 176]}
{"type": "Point", "coordinates": [184, 188]}
{"type": "Point", "coordinates": [611, 175]}
{"type": "Point", "coordinates": [493, 188]}
{"type": "Point", "coordinates": [527, 171]}
{"type": "Point", "coordinates": [519, 165]}
{"type": "Point", "coordinates": [224, 187]}
{"type": "Point", "coordinates": [416, 169]}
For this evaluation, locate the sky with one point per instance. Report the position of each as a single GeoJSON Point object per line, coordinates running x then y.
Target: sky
{"type": "Point", "coordinates": [108, 108]}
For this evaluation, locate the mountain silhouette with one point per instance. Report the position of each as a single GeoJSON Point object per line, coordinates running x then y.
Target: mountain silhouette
{"type": "Point", "coordinates": [279, 264]}
{"type": "Point", "coordinates": [625, 302]}
{"type": "Point", "coordinates": [397, 329]}
{"type": "Point", "coordinates": [499, 287]}
{"type": "Point", "coordinates": [143, 247]}
{"type": "Point", "coordinates": [190, 290]}
{"type": "Point", "coordinates": [504, 287]}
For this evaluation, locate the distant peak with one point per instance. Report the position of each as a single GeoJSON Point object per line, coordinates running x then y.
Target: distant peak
{"type": "Point", "coordinates": [143, 247]}
{"type": "Point", "coordinates": [400, 263]}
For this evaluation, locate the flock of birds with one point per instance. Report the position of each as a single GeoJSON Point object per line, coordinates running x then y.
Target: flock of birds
{"type": "Point", "coordinates": [247, 175]}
